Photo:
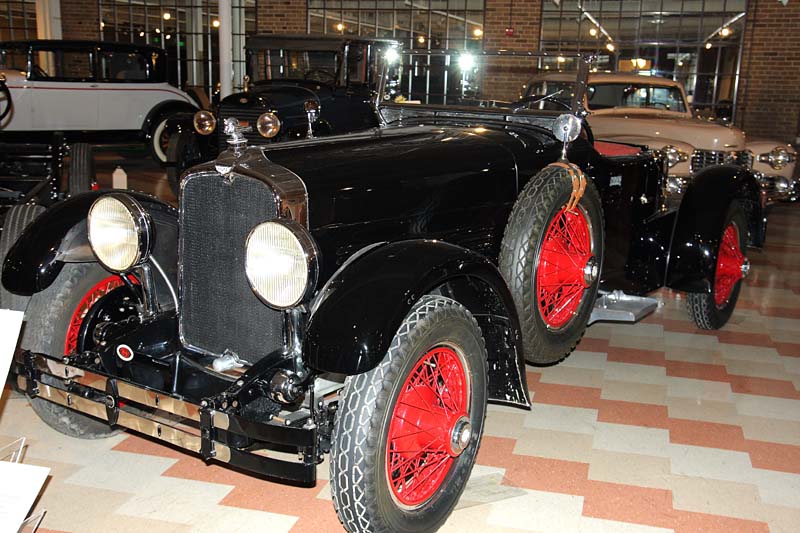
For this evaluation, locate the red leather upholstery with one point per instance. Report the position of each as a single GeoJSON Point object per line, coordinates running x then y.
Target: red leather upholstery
{"type": "Point", "coordinates": [611, 149]}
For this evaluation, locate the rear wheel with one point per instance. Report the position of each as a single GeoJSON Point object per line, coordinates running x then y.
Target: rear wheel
{"type": "Point", "coordinates": [53, 325]}
{"type": "Point", "coordinates": [407, 432]}
{"type": "Point", "coordinates": [713, 310]}
{"type": "Point", "coordinates": [17, 219]}
{"type": "Point", "coordinates": [551, 259]}
{"type": "Point", "coordinates": [81, 175]}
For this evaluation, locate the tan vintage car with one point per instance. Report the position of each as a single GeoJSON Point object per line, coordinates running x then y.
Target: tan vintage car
{"type": "Point", "coordinates": [655, 112]}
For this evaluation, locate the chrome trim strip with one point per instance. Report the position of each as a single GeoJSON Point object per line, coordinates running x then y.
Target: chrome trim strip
{"type": "Point", "coordinates": [150, 398]}
{"type": "Point", "coordinates": [72, 401]}
{"type": "Point", "coordinates": [159, 431]}
{"type": "Point", "coordinates": [220, 420]}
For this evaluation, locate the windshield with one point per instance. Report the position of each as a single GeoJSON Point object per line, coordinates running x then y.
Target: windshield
{"type": "Point", "coordinates": [611, 95]}
{"type": "Point", "coordinates": [325, 66]}
{"type": "Point", "coordinates": [458, 78]}
{"type": "Point", "coordinates": [320, 65]}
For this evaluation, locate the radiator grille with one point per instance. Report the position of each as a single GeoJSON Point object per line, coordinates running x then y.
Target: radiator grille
{"type": "Point", "coordinates": [706, 158]}
{"type": "Point", "coordinates": [219, 311]}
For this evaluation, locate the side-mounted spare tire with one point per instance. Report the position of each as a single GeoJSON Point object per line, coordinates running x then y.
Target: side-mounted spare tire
{"type": "Point", "coordinates": [53, 323]}
{"type": "Point", "coordinates": [81, 174]}
{"type": "Point", "coordinates": [17, 219]}
{"type": "Point", "coordinates": [551, 259]}
{"type": "Point", "coordinates": [713, 309]}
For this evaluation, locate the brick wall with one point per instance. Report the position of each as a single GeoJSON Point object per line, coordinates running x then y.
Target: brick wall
{"type": "Point", "coordinates": [281, 16]}
{"type": "Point", "coordinates": [769, 101]}
{"type": "Point", "coordinates": [506, 77]}
{"type": "Point", "coordinates": [80, 19]}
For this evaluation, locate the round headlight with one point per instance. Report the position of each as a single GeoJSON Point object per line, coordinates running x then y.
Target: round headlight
{"type": "Point", "coordinates": [119, 232]}
{"type": "Point", "coordinates": [204, 122]}
{"type": "Point", "coordinates": [674, 156]}
{"type": "Point", "coordinates": [268, 125]}
{"type": "Point", "coordinates": [778, 158]}
{"type": "Point", "coordinates": [281, 263]}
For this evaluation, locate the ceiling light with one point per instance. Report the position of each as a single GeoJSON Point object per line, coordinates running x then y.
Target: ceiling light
{"type": "Point", "coordinates": [340, 27]}
{"type": "Point", "coordinates": [167, 16]}
{"type": "Point", "coordinates": [421, 39]}
{"type": "Point", "coordinates": [477, 32]}
{"type": "Point", "coordinates": [215, 23]}
{"type": "Point", "coordinates": [708, 46]}
{"type": "Point", "coordinates": [610, 47]}
{"type": "Point", "coordinates": [593, 31]}
{"type": "Point", "coordinates": [725, 32]}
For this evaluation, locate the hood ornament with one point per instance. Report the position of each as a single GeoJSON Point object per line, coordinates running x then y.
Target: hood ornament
{"type": "Point", "coordinates": [311, 107]}
{"type": "Point", "coordinates": [235, 133]}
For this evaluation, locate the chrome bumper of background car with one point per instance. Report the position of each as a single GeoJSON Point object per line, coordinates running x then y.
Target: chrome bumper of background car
{"type": "Point", "coordinates": [209, 432]}
{"type": "Point", "coordinates": [778, 188]}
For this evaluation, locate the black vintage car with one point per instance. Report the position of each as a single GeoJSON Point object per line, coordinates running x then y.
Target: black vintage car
{"type": "Point", "coordinates": [366, 295]}
{"type": "Point", "coordinates": [297, 86]}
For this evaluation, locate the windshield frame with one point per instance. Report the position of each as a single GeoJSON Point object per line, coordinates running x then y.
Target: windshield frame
{"type": "Point", "coordinates": [577, 107]}
{"type": "Point", "coordinates": [644, 83]}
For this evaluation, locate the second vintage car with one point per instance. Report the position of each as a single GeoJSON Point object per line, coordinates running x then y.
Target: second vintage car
{"type": "Point", "coordinates": [655, 112]}
{"type": "Point", "coordinates": [365, 295]}
{"type": "Point", "coordinates": [331, 80]}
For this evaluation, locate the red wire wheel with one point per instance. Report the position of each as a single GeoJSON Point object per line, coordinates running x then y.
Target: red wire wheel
{"type": "Point", "coordinates": [565, 268]}
{"type": "Point", "coordinates": [729, 266]}
{"type": "Point", "coordinates": [102, 288]}
{"type": "Point", "coordinates": [429, 427]}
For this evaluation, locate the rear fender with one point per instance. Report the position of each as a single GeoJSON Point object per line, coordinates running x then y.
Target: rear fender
{"type": "Point", "coordinates": [59, 236]}
{"type": "Point", "coordinates": [359, 310]}
{"type": "Point", "coordinates": [698, 229]}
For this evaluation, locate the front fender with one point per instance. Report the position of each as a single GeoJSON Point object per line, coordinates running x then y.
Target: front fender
{"type": "Point", "coordinates": [698, 229]}
{"type": "Point", "coordinates": [163, 108]}
{"type": "Point", "coordinates": [358, 312]}
{"type": "Point", "coordinates": [59, 236]}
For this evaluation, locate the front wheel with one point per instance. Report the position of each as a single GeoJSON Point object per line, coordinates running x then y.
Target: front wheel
{"type": "Point", "coordinates": [407, 432]}
{"type": "Point", "coordinates": [713, 310]}
{"type": "Point", "coordinates": [551, 259]}
{"type": "Point", "coordinates": [54, 319]}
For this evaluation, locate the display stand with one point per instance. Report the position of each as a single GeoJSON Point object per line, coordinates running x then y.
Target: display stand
{"type": "Point", "coordinates": [20, 484]}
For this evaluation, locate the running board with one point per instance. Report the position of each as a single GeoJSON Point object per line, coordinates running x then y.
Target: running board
{"type": "Point", "coordinates": [617, 306]}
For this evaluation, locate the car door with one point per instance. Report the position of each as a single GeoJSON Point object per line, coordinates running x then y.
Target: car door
{"type": "Point", "coordinates": [64, 89]}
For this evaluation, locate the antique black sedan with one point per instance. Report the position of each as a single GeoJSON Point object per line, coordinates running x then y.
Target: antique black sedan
{"type": "Point", "coordinates": [366, 294]}
{"type": "Point", "coordinates": [329, 81]}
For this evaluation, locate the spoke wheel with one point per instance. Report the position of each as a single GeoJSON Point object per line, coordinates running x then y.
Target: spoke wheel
{"type": "Point", "coordinates": [428, 427]}
{"type": "Point", "coordinates": [407, 431]}
{"type": "Point", "coordinates": [102, 288]}
{"type": "Point", "coordinates": [551, 260]}
{"type": "Point", "coordinates": [565, 267]}
{"type": "Point", "coordinates": [730, 261]}
{"type": "Point", "coordinates": [713, 309]}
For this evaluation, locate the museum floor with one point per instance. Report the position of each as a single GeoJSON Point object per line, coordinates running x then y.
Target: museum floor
{"type": "Point", "coordinates": [648, 427]}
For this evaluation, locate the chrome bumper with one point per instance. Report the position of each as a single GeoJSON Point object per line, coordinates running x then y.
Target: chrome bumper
{"type": "Point", "coordinates": [202, 429]}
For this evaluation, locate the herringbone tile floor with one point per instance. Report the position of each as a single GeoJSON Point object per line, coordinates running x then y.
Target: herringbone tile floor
{"type": "Point", "coordinates": [649, 427]}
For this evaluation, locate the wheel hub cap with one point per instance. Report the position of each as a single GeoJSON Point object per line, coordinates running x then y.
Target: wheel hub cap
{"type": "Point", "coordinates": [732, 266]}
{"type": "Point", "coordinates": [460, 436]}
{"type": "Point", "coordinates": [429, 427]}
{"type": "Point", "coordinates": [566, 267]}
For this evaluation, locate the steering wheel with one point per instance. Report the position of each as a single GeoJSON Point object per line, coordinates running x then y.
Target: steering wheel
{"type": "Point", "coordinates": [319, 75]}
{"type": "Point", "coordinates": [5, 99]}
{"type": "Point", "coordinates": [39, 73]}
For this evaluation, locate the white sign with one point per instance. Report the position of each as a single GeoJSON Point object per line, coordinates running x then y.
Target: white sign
{"type": "Point", "coordinates": [19, 489]}
{"type": "Point", "coordinates": [10, 325]}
